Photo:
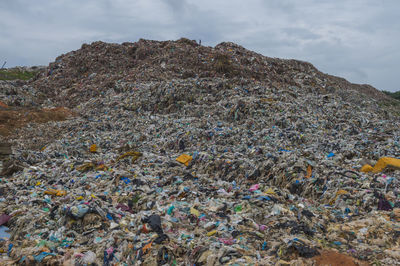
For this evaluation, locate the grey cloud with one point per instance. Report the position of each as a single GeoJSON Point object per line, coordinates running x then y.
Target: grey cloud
{"type": "Point", "coordinates": [355, 39]}
{"type": "Point", "coordinates": [301, 33]}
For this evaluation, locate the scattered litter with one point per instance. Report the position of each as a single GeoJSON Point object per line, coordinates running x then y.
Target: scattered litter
{"type": "Point", "coordinates": [181, 154]}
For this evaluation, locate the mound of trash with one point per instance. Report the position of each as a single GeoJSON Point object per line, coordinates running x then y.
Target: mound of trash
{"type": "Point", "coordinates": [180, 154]}
{"type": "Point", "coordinates": [86, 73]}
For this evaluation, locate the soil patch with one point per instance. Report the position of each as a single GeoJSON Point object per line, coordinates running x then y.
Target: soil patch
{"type": "Point", "coordinates": [333, 258]}
{"type": "Point", "coordinates": [19, 117]}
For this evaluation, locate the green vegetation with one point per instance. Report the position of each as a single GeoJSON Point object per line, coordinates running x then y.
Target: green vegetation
{"type": "Point", "coordinates": [392, 106]}
{"type": "Point", "coordinates": [15, 73]}
{"type": "Point", "coordinates": [395, 95]}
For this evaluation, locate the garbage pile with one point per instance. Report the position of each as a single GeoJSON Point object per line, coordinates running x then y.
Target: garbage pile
{"type": "Point", "coordinates": [18, 93]}
{"type": "Point", "coordinates": [195, 156]}
{"type": "Point", "coordinates": [80, 75]}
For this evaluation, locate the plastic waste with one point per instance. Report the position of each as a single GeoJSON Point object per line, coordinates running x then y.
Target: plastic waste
{"type": "Point", "coordinates": [381, 165]}
{"type": "Point", "coordinates": [204, 156]}
{"type": "Point", "coordinates": [184, 159]}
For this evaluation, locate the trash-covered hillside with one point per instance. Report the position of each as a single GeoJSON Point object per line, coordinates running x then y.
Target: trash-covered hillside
{"type": "Point", "coordinates": [173, 153]}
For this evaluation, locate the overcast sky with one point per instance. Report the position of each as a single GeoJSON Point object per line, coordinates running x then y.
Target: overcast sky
{"type": "Point", "coordinates": [355, 39]}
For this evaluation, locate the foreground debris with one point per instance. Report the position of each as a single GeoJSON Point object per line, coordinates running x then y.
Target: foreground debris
{"type": "Point", "coordinates": [210, 168]}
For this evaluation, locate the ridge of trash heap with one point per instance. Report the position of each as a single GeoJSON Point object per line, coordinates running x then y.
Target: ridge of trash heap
{"type": "Point", "coordinates": [181, 154]}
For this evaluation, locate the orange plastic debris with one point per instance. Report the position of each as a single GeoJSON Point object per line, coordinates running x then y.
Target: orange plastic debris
{"type": "Point", "coordinates": [102, 167]}
{"type": "Point", "coordinates": [3, 105]}
{"type": "Point", "coordinates": [185, 159]}
{"type": "Point", "coordinates": [366, 168]}
{"type": "Point", "coordinates": [309, 171]}
{"type": "Point", "coordinates": [44, 249]}
{"type": "Point", "coordinates": [93, 148]}
{"type": "Point", "coordinates": [147, 247]}
{"type": "Point", "coordinates": [381, 164]}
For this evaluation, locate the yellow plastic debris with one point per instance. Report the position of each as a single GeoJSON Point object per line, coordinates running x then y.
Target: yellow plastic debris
{"type": "Point", "coordinates": [185, 159]}
{"type": "Point", "coordinates": [270, 191]}
{"type": "Point", "coordinates": [270, 100]}
{"type": "Point", "coordinates": [85, 167]}
{"type": "Point", "coordinates": [341, 192]}
{"type": "Point", "coordinates": [93, 148]}
{"type": "Point", "coordinates": [194, 212]}
{"type": "Point", "coordinates": [338, 193]}
{"type": "Point", "coordinates": [211, 233]}
{"type": "Point", "coordinates": [135, 155]}
{"type": "Point", "coordinates": [381, 164]}
{"type": "Point", "coordinates": [55, 192]}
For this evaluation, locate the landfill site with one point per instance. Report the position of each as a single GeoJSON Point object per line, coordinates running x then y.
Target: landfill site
{"type": "Point", "coordinates": [174, 153]}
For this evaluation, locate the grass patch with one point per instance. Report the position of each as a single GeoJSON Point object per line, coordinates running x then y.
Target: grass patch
{"type": "Point", "coordinates": [395, 95]}
{"type": "Point", "coordinates": [13, 74]}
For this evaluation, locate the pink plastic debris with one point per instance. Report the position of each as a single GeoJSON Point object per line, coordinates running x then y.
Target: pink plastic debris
{"type": "Point", "coordinates": [254, 187]}
{"type": "Point", "coordinates": [227, 241]}
{"type": "Point", "coordinates": [110, 250]}
{"type": "Point", "coordinates": [262, 227]}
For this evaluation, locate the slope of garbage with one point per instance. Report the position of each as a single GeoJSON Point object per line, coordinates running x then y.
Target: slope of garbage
{"type": "Point", "coordinates": [180, 154]}
{"type": "Point", "coordinates": [88, 72]}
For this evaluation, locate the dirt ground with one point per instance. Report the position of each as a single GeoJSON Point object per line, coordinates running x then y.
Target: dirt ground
{"type": "Point", "coordinates": [333, 258]}
{"type": "Point", "coordinates": [12, 118]}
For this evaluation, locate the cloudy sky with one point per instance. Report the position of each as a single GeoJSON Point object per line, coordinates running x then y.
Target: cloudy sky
{"type": "Point", "coordinates": [355, 39]}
